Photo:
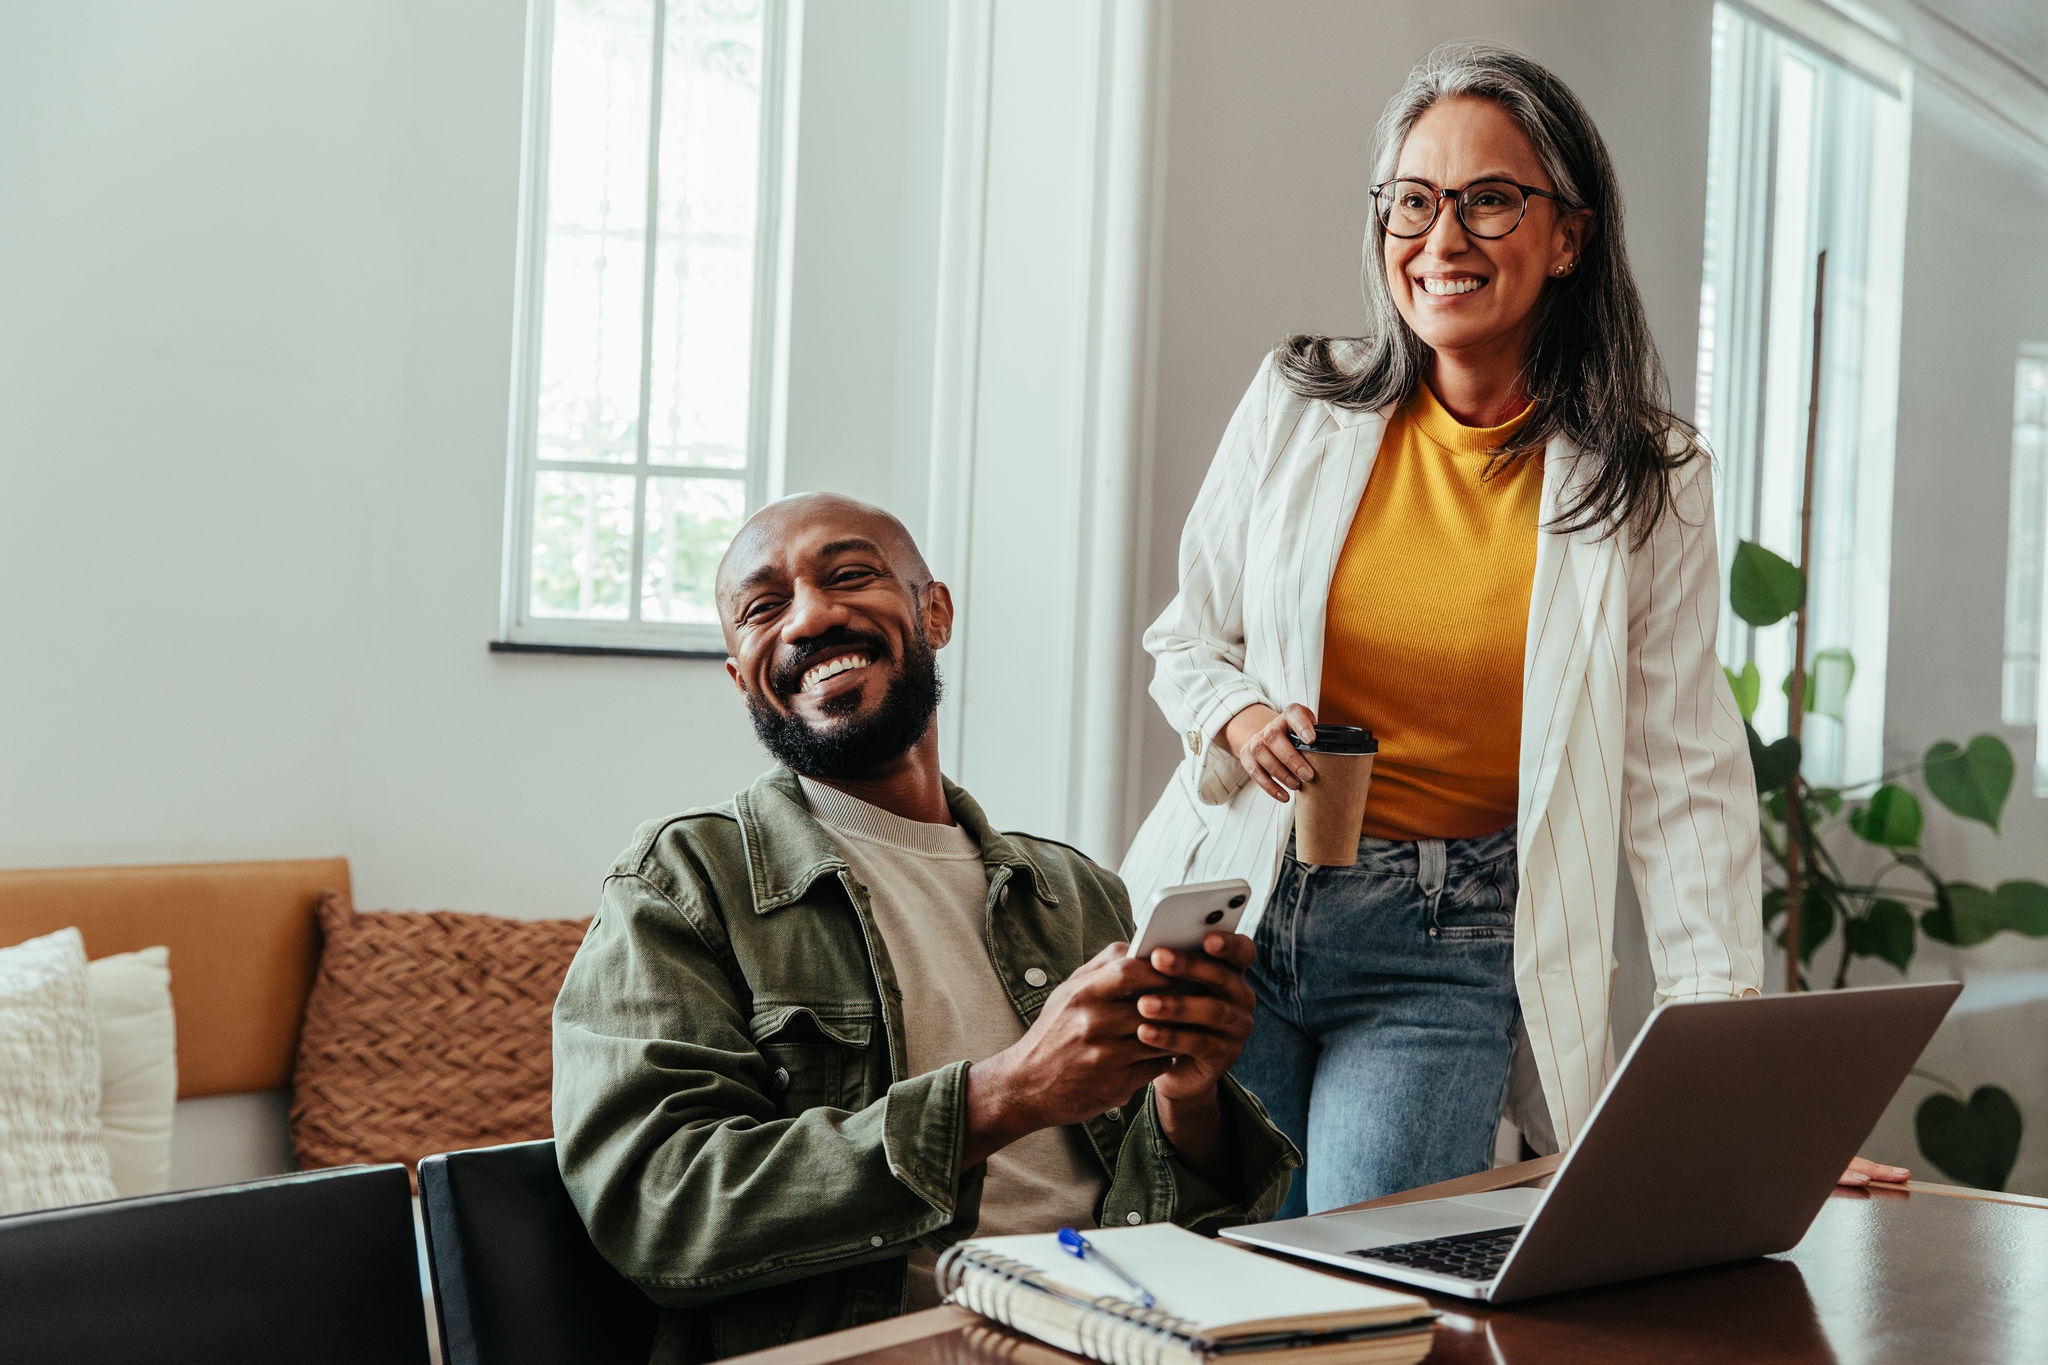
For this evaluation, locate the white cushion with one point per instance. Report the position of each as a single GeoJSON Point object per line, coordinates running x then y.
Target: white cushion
{"type": "Point", "coordinates": [50, 1148]}
{"type": "Point", "coordinates": [131, 996]}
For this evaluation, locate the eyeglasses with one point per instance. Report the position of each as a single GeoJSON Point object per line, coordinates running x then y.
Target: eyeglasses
{"type": "Point", "coordinates": [1487, 208]}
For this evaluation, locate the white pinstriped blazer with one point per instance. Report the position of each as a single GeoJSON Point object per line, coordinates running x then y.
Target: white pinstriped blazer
{"type": "Point", "coordinates": [1630, 735]}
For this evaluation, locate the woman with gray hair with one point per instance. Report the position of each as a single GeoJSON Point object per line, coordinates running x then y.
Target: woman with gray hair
{"type": "Point", "coordinates": [1479, 532]}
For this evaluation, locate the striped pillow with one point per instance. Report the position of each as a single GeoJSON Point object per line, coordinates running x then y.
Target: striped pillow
{"type": "Point", "coordinates": [51, 1152]}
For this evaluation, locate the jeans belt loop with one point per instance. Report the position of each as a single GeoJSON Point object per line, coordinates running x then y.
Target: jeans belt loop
{"type": "Point", "coordinates": [1432, 862]}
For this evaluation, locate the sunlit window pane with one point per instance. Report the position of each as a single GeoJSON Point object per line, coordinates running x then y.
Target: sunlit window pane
{"type": "Point", "coordinates": [689, 524]}
{"type": "Point", "coordinates": [582, 544]}
{"type": "Point", "coordinates": [641, 314]}
{"type": "Point", "coordinates": [597, 228]}
{"type": "Point", "coordinates": [704, 249]}
{"type": "Point", "coordinates": [1804, 155]}
{"type": "Point", "coordinates": [2026, 569]}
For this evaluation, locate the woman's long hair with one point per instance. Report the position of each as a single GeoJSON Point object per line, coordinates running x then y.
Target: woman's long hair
{"type": "Point", "coordinates": [1592, 365]}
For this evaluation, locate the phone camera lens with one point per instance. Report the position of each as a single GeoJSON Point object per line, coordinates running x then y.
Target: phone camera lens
{"type": "Point", "coordinates": [1235, 903]}
{"type": "Point", "coordinates": [1213, 917]}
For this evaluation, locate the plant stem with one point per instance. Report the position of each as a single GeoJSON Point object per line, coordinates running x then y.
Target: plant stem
{"type": "Point", "coordinates": [1795, 796]}
{"type": "Point", "coordinates": [1941, 1081]}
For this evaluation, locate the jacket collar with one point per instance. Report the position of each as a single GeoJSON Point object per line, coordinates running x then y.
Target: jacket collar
{"type": "Point", "coordinates": [788, 850]}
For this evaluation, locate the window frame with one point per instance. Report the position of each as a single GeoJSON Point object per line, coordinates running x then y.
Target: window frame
{"type": "Point", "coordinates": [1755, 354]}
{"type": "Point", "coordinates": [2023, 691]}
{"type": "Point", "coordinates": [519, 629]}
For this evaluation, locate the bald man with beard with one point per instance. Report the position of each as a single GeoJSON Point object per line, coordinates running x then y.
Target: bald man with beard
{"type": "Point", "coordinates": [822, 1031]}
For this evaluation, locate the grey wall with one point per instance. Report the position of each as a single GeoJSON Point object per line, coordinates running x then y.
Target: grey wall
{"type": "Point", "coordinates": [1976, 287]}
{"type": "Point", "coordinates": [1270, 118]}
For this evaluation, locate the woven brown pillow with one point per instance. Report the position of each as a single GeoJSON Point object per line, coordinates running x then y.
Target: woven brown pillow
{"type": "Point", "coordinates": [427, 1032]}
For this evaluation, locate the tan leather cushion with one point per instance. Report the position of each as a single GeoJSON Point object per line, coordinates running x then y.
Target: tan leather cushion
{"type": "Point", "coordinates": [242, 942]}
{"type": "Point", "coordinates": [427, 1032]}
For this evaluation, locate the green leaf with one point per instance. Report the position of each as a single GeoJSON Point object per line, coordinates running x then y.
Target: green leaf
{"type": "Point", "coordinates": [1972, 782]}
{"type": "Point", "coordinates": [1763, 589]}
{"type": "Point", "coordinates": [1815, 923]}
{"type": "Point", "coordinates": [1890, 820]}
{"type": "Point", "coordinates": [1776, 763]}
{"type": "Point", "coordinates": [1885, 931]}
{"type": "Point", "coordinates": [1975, 1142]}
{"type": "Point", "coordinates": [1747, 685]}
{"type": "Point", "coordinates": [1827, 682]}
{"type": "Point", "coordinates": [1822, 802]}
{"type": "Point", "coordinates": [2026, 907]}
{"type": "Point", "coordinates": [1967, 915]}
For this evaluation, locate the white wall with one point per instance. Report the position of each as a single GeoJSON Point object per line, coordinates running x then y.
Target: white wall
{"type": "Point", "coordinates": [255, 336]}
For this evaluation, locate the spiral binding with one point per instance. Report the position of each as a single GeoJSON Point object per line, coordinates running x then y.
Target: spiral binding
{"type": "Point", "coordinates": [1108, 1329]}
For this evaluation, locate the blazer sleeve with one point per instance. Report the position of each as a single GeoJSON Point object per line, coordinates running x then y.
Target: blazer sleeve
{"type": "Point", "coordinates": [1198, 642]}
{"type": "Point", "coordinates": [1689, 817]}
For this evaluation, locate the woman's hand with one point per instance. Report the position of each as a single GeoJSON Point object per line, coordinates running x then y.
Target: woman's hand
{"type": "Point", "coordinates": [1862, 1172]}
{"type": "Point", "coordinates": [1259, 737]}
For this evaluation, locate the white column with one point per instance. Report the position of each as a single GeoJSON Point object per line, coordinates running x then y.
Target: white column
{"type": "Point", "coordinates": [1042, 402]}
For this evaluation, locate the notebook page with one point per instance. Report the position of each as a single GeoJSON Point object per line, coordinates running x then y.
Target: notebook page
{"type": "Point", "coordinates": [1213, 1285]}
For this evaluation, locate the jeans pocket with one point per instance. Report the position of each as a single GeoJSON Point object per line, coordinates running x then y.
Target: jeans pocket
{"type": "Point", "coordinates": [1478, 905]}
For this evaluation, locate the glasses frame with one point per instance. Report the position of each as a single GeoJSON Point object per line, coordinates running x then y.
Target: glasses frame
{"type": "Point", "coordinates": [1384, 210]}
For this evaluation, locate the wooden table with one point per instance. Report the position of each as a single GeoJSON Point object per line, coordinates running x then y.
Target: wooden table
{"type": "Point", "coordinates": [1911, 1275]}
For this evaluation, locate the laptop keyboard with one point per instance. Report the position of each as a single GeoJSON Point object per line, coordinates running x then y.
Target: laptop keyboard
{"type": "Point", "coordinates": [1468, 1256]}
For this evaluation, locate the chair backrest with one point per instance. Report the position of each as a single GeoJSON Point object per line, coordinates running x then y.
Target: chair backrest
{"type": "Point", "coordinates": [313, 1268]}
{"type": "Point", "coordinates": [516, 1279]}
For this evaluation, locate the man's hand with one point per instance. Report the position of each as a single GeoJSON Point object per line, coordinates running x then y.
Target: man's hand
{"type": "Point", "coordinates": [1204, 1025]}
{"type": "Point", "coordinates": [1080, 1057]}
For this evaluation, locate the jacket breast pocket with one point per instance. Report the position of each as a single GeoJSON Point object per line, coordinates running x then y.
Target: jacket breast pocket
{"type": "Point", "coordinates": [814, 1059]}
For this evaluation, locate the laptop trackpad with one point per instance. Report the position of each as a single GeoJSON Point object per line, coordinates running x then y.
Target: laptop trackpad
{"type": "Point", "coordinates": [1434, 1218]}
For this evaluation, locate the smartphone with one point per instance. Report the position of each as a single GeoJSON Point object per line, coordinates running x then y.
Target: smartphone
{"type": "Point", "coordinates": [1180, 917]}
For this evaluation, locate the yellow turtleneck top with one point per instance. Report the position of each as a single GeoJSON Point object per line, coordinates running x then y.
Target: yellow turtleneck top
{"type": "Point", "coordinates": [1427, 620]}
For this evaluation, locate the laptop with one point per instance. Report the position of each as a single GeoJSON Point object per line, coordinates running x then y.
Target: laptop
{"type": "Point", "coordinates": [1718, 1139]}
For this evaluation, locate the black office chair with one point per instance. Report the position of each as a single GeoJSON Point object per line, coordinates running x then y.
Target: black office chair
{"type": "Point", "coordinates": [516, 1280]}
{"type": "Point", "coordinates": [314, 1268]}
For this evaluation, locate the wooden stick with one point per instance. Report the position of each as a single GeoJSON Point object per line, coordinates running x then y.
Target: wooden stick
{"type": "Point", "coordinates": [1795, 793]}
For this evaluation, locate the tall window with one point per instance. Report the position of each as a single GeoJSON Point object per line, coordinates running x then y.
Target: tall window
{"type": "Point", "coordinates": [2027, 554]}
{"type": "Point", "coordinates": [646, 295]}
{"type": "Point", "coordinates": [1805, 154]}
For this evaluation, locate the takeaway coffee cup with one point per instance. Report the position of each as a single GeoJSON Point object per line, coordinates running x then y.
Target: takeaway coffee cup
{"type": "Point", "coordinates": [1330, 809]}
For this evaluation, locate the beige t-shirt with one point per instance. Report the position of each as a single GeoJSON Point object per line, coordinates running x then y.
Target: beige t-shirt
{"type": "Point", "coordinates": [928, 891]}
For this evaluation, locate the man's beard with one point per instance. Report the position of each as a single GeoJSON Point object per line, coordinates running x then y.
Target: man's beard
{"type": "Point", "coordinates": [853, 748]}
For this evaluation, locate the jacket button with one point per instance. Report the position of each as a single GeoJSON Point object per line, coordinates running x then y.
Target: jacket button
{"type": "Point", "coordinates": [1003, 896]}
{"type": "Point", "coordinates": [1034, 976]}
{"type": "Point", "coordinates": [1113, 1114]}
{"type": "Point", "coordinates": [782, 1078]}
{"type": "Point", "coordinates": [1195, 742]}
{"type": "Point", "coordinates": [874, 1241]}
{"type": "Point", "coordinates": [1134, 1218]}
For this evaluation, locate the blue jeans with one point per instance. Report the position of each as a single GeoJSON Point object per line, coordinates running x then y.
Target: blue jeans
{"type": "Point", "coordinates": [1386, 1014]}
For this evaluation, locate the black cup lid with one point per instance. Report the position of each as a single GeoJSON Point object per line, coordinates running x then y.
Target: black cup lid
{"type": "Point", "coordinates": [1339, 739]}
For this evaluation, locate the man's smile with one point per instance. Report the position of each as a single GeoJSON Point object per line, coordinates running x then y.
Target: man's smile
{"type": "Point", "coordinates": [837, 666]}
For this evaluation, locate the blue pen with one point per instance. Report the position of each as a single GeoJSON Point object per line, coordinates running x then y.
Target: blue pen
{"type": "Point", "coordinates": [1081, 1249]}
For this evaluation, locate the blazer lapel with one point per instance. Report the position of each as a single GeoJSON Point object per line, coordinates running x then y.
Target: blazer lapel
{"type": "Point", "coordinates": [1331, 481]}
{"type": "Point", "coordinates": [1564, 610]}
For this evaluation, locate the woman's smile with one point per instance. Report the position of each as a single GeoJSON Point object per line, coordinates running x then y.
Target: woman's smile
{"type": "Point", "coordinates": [1449, 286]}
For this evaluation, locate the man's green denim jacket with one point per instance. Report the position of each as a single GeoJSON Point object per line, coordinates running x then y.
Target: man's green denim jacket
{"type": "Point", "coordinates": [732, 1110]}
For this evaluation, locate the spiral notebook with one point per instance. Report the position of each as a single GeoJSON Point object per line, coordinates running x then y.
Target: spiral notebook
{"type": "Point", "coordinates": [1214, 1299]}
